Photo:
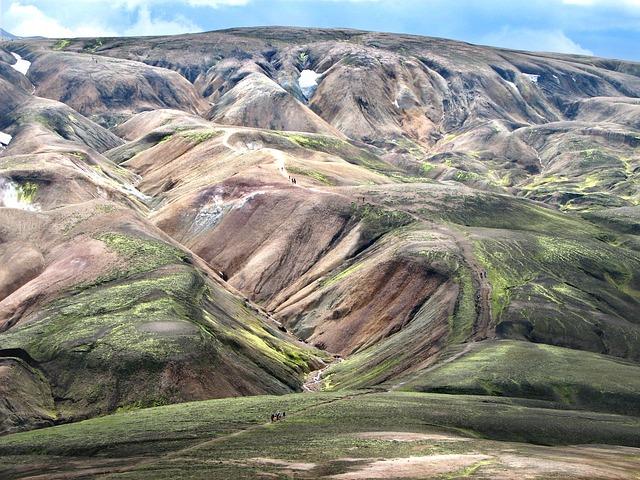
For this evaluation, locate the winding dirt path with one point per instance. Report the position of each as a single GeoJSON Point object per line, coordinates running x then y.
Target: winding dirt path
{"type": "Point", "coordinates": [279, 157]}
{"type": "Point", "coordinates": [279, 161]}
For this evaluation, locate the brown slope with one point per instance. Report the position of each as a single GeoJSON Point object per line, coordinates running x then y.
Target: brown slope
{"type": "Point", "coordinates": [110, 88]}
{"type": "Point", "coordinates": [257, 101]}
{"type": "Point", "coordinates": [107, 311]}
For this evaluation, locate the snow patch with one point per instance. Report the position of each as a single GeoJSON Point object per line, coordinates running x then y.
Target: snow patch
{"type": "Point", "coordinates": [531, 77]}
{"type": "Point", "coordinates": [5, 139]}
{"type": "Point", "coordinates": [11, 197]}
{"type": "Point", "coordinates": [21, 65]}
{"type": "Point", "coordinates": [308, 82]}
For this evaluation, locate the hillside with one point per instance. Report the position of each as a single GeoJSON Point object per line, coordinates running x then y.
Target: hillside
{"type": "Point", "coordinates": [220, 214]}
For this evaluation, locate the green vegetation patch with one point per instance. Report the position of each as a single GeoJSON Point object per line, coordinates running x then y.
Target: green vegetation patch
{"type": "Point", "coordinates": [27, 192]}
{"type": "Point", "coordinates": [230, 438]}
{"type": "Point", "coordinates": [199, 136]}
{"type": "Point", "coordinates": [318, 176]}
{"type": "Point", "coordinates": [376, 221]}
{"type": "Point", "coordinates": [103, 321]}
{"type": "Point", "coordinates": [342, 274]}
{"type": "Point", "coordinates": [463, 176]}
{"type": "Point", "coordinates": [61, 44]}
{"type": "Point", "coordinates": [340, 148]}
{"type": "Point", "coordinates": [92, 45]}
{"type": "Point", "coordinates": [527, 370]}
{"type": "Point", "coordinates": [427, 168]}
{"type": "Point", "coordinates": [559, 282]}
{"type": "Point", "coordinates": [158, 430]}
{"type": "Point", "coordinates": [140, 254]}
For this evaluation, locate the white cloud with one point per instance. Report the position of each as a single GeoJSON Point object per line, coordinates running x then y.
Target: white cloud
{"type": "Point", "coordinates": [604, 3]}
{"type": "Point", "coordinates": [217, 3]}
{"type": "Point", "coordinates": [28, 20]}
{"type": "Point", "coordinates": [146, 25]}
{"type": "Point", "coordinates": [534, 40]}
{"type": "Point", "coordinates": [133, 4]}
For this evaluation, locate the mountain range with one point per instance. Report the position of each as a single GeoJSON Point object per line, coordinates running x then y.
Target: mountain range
{"type": "Point", "coordinates": [259, 211]}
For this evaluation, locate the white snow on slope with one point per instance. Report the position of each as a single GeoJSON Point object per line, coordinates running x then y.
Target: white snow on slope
{"type": "Point", "coordinates": [5, 139]}
{"type": "Point", "coordinates": [531, 77]}
{"type": "Point", "coordinates": [21, 65]}
{"type": "Point", "coordinates": [308, 82]}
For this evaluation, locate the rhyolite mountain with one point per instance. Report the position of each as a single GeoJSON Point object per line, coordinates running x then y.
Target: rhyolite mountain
{"type": "Point", "coordinates": [464, 220]}
{"type": "Point", "coordinates": [4, 35]}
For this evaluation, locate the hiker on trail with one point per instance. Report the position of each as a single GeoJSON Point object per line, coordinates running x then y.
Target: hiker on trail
{"type": "Point", "coordinates": [284, 414]}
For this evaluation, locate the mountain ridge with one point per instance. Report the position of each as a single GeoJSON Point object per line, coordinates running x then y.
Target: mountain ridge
{"type": "Point", "coordinates": [451, 202]}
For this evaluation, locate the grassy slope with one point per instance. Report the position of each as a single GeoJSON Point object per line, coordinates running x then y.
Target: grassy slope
{"type": "Point", "coordinates": [555, 279]}
{"type": "Point", "coordinates": [528, 370]}
{"type": "Point", "coordinates": [100, 350]}
{"type": "Point", "coordinates": [567, 290]}
{"type": "Point", "coordinates": [196, 440]}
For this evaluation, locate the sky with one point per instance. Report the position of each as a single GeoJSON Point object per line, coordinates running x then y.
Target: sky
{"type": "Point", "coordinates": [607, 28]}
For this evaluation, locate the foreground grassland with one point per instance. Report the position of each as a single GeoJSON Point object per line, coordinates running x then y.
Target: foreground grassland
{"type": "Point", "coordinates": [360, 434]}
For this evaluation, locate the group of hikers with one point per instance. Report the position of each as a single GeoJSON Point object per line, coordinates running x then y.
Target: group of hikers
{"type": "Point", "coordinates": [291, 179]}
{"type": "Point", "coordinates": [278, 416]}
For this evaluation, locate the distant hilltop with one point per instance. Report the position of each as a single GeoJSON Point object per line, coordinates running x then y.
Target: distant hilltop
{"type": "Point", "coordinates": [4, 35]}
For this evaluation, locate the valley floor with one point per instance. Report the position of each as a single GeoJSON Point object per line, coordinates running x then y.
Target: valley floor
{"type": "Point", "coordinates": [347, 435]}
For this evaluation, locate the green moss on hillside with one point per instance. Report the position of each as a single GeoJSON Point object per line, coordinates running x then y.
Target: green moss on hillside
{"type": "Point", "coordinates": [376, 221]}
{"type": "Point", "coordinates": [526, 370]}
{"type": "Point", "coordinates": [139, 254]}
{"type": "Point", "coordinates": [61, 44]}
{"type": "Point", "coordinates": [342, 274]}
{"type": "Point", "coordinates": [92, 45]}
{"type": "Point", "coordinates": [320, 177]}
{"type": "Point", "coordinates": [27, 192]}
{"type": "Point", "coordinates": [546, 289]}
{"type": "Point", "coordinates": [340, 148]}
{"type": "Point", "coordinates": [318, 430]}
{"type": "Point", "coordinates": [198, 136]}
